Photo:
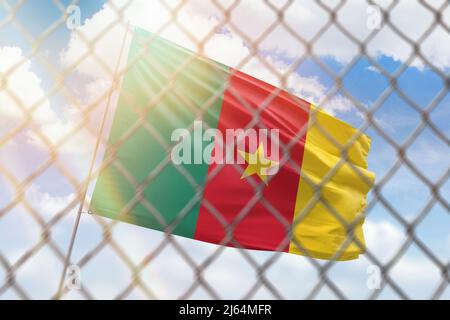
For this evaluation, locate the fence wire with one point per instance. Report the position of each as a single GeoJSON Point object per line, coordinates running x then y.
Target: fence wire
{"type": "Point", "coordinates": [11, 266]}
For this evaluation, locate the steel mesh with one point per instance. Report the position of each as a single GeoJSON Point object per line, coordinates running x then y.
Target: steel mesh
{"type": "Point", "coordinates": [106, 230]}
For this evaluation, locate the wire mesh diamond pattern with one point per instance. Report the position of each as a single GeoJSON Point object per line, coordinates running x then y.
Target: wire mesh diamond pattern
{"type": "Point", "coordinates": [136, 262]}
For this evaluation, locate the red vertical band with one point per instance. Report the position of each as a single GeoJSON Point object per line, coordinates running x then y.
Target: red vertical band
{"type": "Point", "coordinates": [229, 194]}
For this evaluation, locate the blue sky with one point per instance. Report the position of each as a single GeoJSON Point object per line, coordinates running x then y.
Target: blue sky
{"type": "Point", "coordinates": [405, 192]}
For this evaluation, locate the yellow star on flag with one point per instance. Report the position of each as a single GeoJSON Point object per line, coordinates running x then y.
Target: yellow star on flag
{"type": "Point", "coordinates": [258, 164]}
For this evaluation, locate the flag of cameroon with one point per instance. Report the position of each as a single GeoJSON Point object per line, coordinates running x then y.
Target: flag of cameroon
{"type": "Point", "coordinates": [204, 151]}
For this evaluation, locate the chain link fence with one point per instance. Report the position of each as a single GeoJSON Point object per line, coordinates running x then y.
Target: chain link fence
{"type": "Point", "coordinates": [113, 260]}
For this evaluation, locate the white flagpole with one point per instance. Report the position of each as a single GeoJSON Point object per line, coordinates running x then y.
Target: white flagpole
{"type": "Point", "coordinates": [89, 177]}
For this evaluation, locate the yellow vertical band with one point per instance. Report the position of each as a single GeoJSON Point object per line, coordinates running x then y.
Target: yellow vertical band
{"type": "Point", "coordinates": [331, 195]}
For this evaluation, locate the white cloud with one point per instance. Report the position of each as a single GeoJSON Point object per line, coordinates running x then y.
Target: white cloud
{"type": "Point", "coordinates": [22, 90]}
{"type": "Point", "coordinates": [373, 69]}
{"type": "Point", "coordinates": [47, 205]}
{"type": "Point", "coordinates": [227, 47]}
{"type": "Point", "coordinates": [383, 238]}
{"type": "Point", "coordinates": [169, 276]}
{"type": "Point", "coordinates": [35, 273]}
{"type": "Point", "coordinates": [418, 277]}
{"type": "Point", "coordinates": [307, 17]}
{"type": "Point", "coordinates": [26, 151]}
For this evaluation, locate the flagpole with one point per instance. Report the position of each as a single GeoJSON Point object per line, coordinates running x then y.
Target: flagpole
{"type": "Point", "coordinates": [91, 168]}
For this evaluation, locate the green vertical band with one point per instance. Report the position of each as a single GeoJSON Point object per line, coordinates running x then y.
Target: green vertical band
{"type": "Point", "coordinates": [174, 97]}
